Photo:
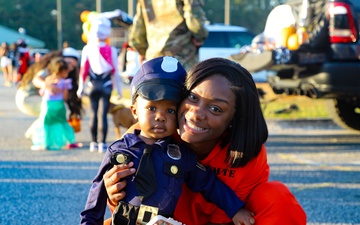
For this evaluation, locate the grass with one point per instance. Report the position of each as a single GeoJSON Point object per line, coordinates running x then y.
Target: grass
{"type": "Point", "coordinates": [274, 106]}
{"type": "Point", "coordinates": [306, 108]}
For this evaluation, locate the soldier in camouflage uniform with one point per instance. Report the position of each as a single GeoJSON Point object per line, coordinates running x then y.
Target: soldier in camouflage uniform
{"type": "Point", "coordinates": [169, 27]}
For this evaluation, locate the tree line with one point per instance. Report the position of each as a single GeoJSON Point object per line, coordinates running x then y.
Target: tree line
{"type": "Point", "coordinates": [38, 17]}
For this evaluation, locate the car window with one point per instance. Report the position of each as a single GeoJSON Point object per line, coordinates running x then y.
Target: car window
{"type": "Point", "coordinates": [356, 3]}
{"type": "Point", "coordinates": [228, 39]}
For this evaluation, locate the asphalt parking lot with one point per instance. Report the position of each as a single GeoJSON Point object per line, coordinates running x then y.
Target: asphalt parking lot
{"type": "Point", "coordinates": [317, 160]}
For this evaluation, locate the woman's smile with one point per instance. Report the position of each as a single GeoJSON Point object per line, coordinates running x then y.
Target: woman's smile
{"type": "Point", "coordinates": [193, 127]}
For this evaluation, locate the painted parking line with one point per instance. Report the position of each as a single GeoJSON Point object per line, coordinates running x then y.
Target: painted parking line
{"type": "Point", "coordinates": [46, 181]}
{"type": "Point", "coordinates": [315, 165]}
{"type": "Point", "coordinates": [332, 223]}
{"type": "Point", "coordinates": [49, 167]}
{"type": "Point", "coordinates": [320, 167]}
{"type": "Point", "coordinates": [323, 185]}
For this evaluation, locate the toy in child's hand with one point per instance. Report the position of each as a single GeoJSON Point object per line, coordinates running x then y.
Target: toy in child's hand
{"type": "Point", "coordinates": [160, 220]}
{"type": "Point", "coordinates": [120, 158]}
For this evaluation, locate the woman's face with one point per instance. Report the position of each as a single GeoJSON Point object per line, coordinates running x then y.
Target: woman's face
{"type": "Point", "coordinates": [72, 63]}
{"type": "Point", "coordinates": [206, 113]}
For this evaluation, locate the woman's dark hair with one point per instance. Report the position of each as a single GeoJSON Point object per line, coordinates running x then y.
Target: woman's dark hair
{"type": "Point", "coordinates": [36, 67]}
{"type": "Point", "coordinates": [74, 102]}
{"type": "Point", "coordinates": [248, 130]}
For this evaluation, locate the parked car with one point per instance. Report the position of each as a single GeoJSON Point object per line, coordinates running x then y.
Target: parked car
{"type": "Point", "coordinates": [223, 40]}
{"type": "Point", "coordinates": [37, 53]}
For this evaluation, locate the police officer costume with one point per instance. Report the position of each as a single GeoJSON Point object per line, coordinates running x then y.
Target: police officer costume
{"type": "Point", "coordinates": [172, 163]}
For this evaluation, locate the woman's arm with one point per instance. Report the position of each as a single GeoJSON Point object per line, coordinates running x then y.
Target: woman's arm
{"type": "Point", "coordinates": [40, 82]}
{"type": "Point", "coordinates": [66, 94]}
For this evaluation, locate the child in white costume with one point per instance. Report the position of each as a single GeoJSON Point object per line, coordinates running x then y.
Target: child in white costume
{"type": "Point", "coordinates": [99, 64]}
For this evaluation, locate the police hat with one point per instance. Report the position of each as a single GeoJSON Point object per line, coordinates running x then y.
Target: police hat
{"type": "Point", "coordinates": [160, 78]}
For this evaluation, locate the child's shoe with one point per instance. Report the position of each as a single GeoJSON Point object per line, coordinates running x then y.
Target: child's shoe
{"type": "Point", "coordinates": [74, 145]}
{"type": "Point", "coordinates": [38, 148]}
{"type": "Point", "coordinates": [93, 146]}
{"type": "Point", "coordinates": [102, 147]}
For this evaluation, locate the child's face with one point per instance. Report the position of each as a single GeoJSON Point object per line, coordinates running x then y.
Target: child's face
{"type": "Point", "coordinates": [157, 119]}
{"type": "Point", "coordinates": [64, 74]}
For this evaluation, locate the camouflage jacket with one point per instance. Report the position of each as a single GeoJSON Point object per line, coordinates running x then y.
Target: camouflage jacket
{"type": "Point", "coordinates": [168, 27]}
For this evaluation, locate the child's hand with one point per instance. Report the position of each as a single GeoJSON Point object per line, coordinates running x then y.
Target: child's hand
{"type": "Point", "coordinates": [113, 183]}
{"type": "Point", "coordinates": [243, 217]}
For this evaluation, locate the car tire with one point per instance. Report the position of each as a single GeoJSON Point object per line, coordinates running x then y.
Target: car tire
{"type": "Point", "coordinates": [345, 113]}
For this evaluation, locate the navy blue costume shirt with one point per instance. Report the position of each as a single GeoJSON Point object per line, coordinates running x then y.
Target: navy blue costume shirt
{"type": "Point", "coordinates": [197, 177]}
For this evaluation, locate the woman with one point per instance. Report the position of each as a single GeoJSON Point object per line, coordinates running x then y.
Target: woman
{"type": "Point", "coordinates": [24, 58]}
{"type": "Point", "coordinates": [222, 122]}
{"type": "Point", "coordinates": [27, 96]}
{"type": "Point", "coordinates": [5, 63]}
{"type": "Point", "coordinates": [14, 56]}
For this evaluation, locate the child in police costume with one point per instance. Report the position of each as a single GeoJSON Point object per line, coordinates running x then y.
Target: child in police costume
{"type": "Point", "coordinates": [162, 164]}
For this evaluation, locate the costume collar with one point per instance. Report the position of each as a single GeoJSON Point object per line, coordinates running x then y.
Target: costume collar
{"type": "Point", "coordinates": [134, 140]}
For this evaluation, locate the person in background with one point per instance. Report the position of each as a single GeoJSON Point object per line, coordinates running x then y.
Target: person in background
{"type": "Point", "coordinates": [24, 58]}
{"type": "Point", "coordinates": [173, 28]}
{"type": "Point", "coordinates": [221, 121]}
{"type": "Point", "coordinates": [99, 64]}
{"type": "Point", "coordinates": [37, 57]}
{"type": "Point", "coordinates": [65, 44]}
{"type": "Point", "coordinates": [14, 56]}
{"type": "Point", "coordinates": [27, 96]}
{"type": "Point", "coordinates": [5, 63]}
{"type": "Point", "coordinates": [53, 131]}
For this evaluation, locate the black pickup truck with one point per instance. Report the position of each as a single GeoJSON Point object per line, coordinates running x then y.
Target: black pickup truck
{"type": "Point", "coordinates": [328, 65]}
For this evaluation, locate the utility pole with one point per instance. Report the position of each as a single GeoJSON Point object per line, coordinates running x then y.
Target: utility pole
{"type": "Point", "coordinates": [59, 23]}
{"type": "Point", "coordinates": [131, 8]}
{"type": "Point", "coordinates": [227, 12]}
{"type": "Point", "coordinates": [98, 6]}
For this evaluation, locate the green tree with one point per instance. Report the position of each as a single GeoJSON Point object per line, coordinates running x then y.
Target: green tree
{"type": "Point", "coordinates": [251, 14]}
{"type": "Point", "coordinates": [39, 19]}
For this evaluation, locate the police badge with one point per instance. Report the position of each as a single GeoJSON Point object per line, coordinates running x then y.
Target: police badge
{"type": "Point", "coordinates": [173, 151]}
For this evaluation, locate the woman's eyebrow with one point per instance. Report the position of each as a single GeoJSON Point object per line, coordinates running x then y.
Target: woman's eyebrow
{"type": "Point", "coordinates": [219, 100]}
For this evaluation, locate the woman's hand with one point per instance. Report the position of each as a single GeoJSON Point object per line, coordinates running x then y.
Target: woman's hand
{"type": "Point", "coordinates": [52, 88]}
{"type": "Point", "coordinates": [113, 185]}
{"type": "Point", "coordinates": [244, 217]}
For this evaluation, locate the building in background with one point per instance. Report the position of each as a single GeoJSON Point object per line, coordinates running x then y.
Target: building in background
{"type": "Point", "coordinates": [11, 36]}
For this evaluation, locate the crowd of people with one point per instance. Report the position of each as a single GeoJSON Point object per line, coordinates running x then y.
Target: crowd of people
{"type": "Point", "coordinates": [194, 118]}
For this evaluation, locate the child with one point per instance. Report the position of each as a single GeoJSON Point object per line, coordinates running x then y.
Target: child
{"type": "Point", "coordinates": [99, 66]}
{"type": "Point", "coordinates": [53, 131]}
{"type": "Point", "coordinates": [156, 90]}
